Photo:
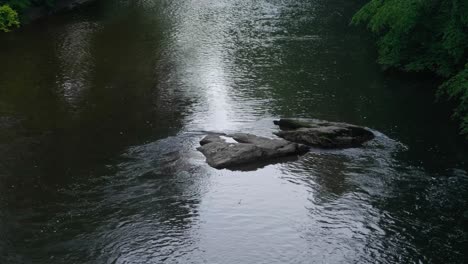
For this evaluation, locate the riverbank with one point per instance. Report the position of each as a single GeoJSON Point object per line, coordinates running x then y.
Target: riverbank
{"type": "Point", "coordinates": [34, 13]}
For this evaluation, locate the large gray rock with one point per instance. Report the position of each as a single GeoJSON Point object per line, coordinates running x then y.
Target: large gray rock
{"type": "Point", "coordinates": [323, 134]}
{"type": "Point", "coordinates": [246, 149]}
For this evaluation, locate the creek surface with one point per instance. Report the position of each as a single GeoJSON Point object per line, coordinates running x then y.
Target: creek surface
{"type": "Point", "coordinates": [101, 110]}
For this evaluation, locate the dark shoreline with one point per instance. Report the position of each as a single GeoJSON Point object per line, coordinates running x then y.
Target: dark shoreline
{"type": "Point", "coordinates": [35, 13]}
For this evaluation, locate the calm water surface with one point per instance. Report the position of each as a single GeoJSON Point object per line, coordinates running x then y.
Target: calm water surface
{"type": "Point", "coordinates": [101, 111]}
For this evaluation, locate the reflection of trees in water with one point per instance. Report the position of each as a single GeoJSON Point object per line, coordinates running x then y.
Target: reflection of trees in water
{"type": "Point", "coordinates": [74, 59]}
{"type": "Point", "coordinates": [329, 172]}
{"type": "Point", "coordinates": [55, 155]}
{"type": "Point", "coordinates": [295, 52]}
{"type": "Point", "coordinates": [112, 99]}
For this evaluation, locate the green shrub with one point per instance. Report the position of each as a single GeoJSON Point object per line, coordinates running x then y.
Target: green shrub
{"type": "Point", "coordinates": [8, 18]}
{"type": "Point", "coordinates": [424, 35]}
{"type": "Point", "coordinates": [10, 11]}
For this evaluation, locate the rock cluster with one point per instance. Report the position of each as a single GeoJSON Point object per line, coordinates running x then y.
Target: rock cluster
{"type": "Point", "coordinates": [235, 150]}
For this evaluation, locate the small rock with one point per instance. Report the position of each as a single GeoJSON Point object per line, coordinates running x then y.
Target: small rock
{"type": "Point", "coordinates": [210, 139]}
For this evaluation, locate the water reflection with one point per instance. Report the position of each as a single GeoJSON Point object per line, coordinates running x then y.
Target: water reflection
{"type": "Point", "coordinates": [92, 102]}
{"type": "Point", "coordinates": [76, 62]}
{"type": "Point", "coordinates": [140, 213]}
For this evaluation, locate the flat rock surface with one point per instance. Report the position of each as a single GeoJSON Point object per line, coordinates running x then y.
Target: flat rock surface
{"type": "Point", "coordinates": [323, 134]}
{"type": "Point", "coordinates": [247, 149]}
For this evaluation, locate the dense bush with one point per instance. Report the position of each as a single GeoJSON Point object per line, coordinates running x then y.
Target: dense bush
{"type": "Point", "coordinates": [424, 35]}
{"type": "Point", "coordinates": [10, 10]}
{"type": "Point", "coordinates": [8, 18]}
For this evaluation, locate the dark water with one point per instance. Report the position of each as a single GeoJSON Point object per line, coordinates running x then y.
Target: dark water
{"type": "Point", "coordinates": [101, 111]}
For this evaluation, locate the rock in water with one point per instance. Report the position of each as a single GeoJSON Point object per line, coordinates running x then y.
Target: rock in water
{"type": "Point", "coordinates": [248, 149]}
{"type": "Point", "coordinates": [322, 134]}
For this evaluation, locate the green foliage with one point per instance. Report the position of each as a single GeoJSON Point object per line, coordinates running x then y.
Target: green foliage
{"type": "Point", "coordinates": [11, 9]}
{"type": "Point", "coordinates": [8, 18]}
{"type": "Point", "coordinates": [424, 35]}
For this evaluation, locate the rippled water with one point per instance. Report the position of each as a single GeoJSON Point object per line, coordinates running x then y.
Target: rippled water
{"type": "Point", "coordinates": [101, 111]}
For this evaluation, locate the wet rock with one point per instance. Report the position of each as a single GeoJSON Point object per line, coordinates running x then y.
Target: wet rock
{"type": "Point", "coordinates": [322, 134]}
{"type": "Point", "coordinates": [247, 149]}
{"type": "Point", "coordinates": [211, 138]}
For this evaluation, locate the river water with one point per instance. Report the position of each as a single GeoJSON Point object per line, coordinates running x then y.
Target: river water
{"type": "Point", "coordinates": [101, 110]}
